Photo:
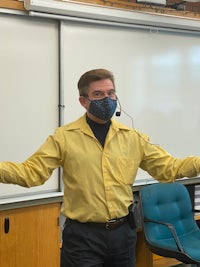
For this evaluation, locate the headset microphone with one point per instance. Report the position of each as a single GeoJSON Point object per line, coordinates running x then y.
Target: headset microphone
{"type": "Point", "coordinates": [118, 113]}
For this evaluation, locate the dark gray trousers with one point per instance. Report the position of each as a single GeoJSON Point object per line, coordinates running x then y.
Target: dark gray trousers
{"type": "Point", "coordinates": [89, 245]}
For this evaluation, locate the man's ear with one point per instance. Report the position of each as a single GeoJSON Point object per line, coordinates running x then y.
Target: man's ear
{"type": "Point", "coordinates": [83, 101]}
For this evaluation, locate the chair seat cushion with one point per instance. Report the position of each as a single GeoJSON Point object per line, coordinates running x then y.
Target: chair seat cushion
{"type": "Point", "coordinates": [189, 241]}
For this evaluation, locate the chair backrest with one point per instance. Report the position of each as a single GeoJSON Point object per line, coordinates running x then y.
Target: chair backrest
{"type": "Point", "coordinates": [170, 203]}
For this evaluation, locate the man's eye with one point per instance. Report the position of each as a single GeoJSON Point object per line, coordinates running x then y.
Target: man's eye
{"type": "Point", "coordinates": [96, 94]}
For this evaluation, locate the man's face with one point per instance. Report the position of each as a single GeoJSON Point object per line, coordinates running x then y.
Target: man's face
{"type": "Point", "coordinates": [96, 91]}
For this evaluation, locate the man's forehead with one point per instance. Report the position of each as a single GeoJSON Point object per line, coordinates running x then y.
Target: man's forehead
{"type": "Point", "coordinates": [101, 85]}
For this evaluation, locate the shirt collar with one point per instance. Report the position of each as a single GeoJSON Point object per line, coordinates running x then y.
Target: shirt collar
{"type": "Point", "coordinates": [82, 124]}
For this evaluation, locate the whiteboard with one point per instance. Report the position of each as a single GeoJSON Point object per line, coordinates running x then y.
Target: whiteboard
{"type": "Point", "coordinates": [28, 92]}
{"type": "Point", "coordinates": [157, 79]}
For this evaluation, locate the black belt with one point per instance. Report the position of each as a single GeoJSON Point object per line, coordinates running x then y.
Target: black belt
{"type": "Point", "coordinates": [110, 224]}
{"type": "Point", "coordinates": [115, 223]}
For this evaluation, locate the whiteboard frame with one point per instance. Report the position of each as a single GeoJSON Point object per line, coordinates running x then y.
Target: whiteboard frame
{"type": "Point", "coordinates": [100, 15]}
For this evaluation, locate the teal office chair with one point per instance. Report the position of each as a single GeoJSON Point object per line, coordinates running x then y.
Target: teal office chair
{"type": "Point", "coordinates": [168, 222]}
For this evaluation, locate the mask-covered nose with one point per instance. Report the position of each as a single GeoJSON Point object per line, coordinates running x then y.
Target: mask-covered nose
{"type": "Point", "coordinates": [103, 108]}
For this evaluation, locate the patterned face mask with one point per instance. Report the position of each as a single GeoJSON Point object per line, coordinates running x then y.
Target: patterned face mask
{"type": "Point", "coordinates": [103, 108]}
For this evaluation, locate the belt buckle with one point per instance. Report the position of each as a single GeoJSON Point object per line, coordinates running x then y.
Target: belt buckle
{"type": "Point", "coordinates": [110, 222]}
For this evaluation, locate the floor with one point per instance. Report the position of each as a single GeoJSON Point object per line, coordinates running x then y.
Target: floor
{"type": "Point", "coordinates": [165, 262]}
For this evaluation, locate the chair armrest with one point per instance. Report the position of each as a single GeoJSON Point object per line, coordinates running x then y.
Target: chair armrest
{"type": "Point", "coordinates": [194, 210]}
{"type": "Point", "coordinates": [172, 230]}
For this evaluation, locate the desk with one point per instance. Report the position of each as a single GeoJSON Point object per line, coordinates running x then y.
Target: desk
{"type": "Point", "coordinates": [144, 257]}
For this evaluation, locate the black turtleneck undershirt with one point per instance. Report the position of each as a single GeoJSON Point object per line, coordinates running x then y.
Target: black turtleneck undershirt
{"type": "Point", "coordinates": [100, 130]}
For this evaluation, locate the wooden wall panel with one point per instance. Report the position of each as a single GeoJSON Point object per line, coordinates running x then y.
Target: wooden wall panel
{"type": "Point", "coordinates": [12, 4]}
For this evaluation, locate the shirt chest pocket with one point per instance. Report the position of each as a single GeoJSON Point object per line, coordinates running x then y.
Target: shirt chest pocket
{"type": "Point", "coordinates": [126, 170]}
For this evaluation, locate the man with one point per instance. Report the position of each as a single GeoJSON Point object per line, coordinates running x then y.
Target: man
{"type": "Point", "coordinates": [100, 158]}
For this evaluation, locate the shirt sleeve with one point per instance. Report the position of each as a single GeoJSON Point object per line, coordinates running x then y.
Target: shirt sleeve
{"type": "Point", "coordinates": [37, 168]}
{"type": "Point", "coordinates": [164, 167]}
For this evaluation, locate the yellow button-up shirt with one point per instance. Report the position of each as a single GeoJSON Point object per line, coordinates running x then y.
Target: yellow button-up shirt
{"type": "Point", "coordinates": [97, 180]}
